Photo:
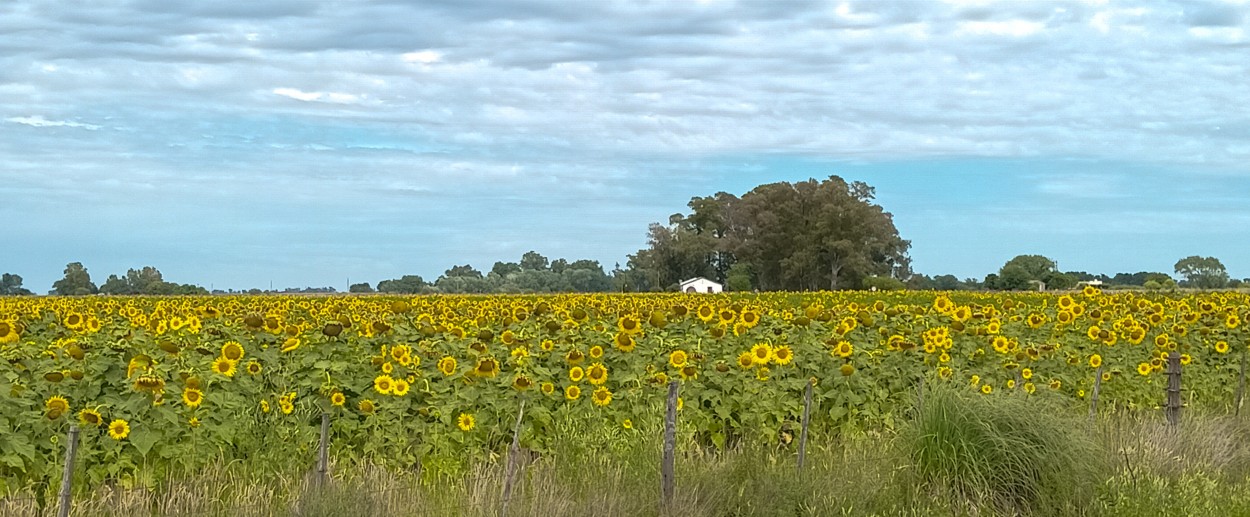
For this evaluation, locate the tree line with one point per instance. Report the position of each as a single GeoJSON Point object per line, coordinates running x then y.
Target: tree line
{"type": "Point", "coordinates": [804, 236]}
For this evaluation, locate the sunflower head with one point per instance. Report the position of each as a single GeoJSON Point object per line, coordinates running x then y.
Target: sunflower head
{"type": "Point", "coordinates": [466, 422]}
{"type": "Point", "coordinates": [601, 397]}
{"type": "Point", "coordinates": [90, 417]}
{"type": "Point", "coordinates": [119, 429]}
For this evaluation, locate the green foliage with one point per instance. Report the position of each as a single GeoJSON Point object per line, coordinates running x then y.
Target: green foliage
{"type": "Point", "coordinates": [808, 235]}
{"type": "Point", "coordinates": [362, 287]}
{"type": "Point", "coordinates": [77, 281]}
{"type": "Point", "coordinates": [1008, 453]}
{"type": "Point", "coordinates": [1202, 272]}
{"type": "Point", "coordinates": [11, 285]}
{"type": "Point", "coordinates": [739, 278]}
{"type": "Point", "coordinates": [884, 283]}
{"type": "Point", "coordinates": [407, 284]}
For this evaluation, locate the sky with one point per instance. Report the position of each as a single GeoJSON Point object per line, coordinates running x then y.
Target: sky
{"type": "Point", "coordinates": [311, 143]}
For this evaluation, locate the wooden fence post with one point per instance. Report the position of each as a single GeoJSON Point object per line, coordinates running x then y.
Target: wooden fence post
{"type": "Point", "coordinates": [67, 478]}
{"type": "Point", "coordinates": [1241, 384]}
{"type": "Point", "coordinates": [1093, 402]}
{"type": "Point", "coordinates": [807, 412]}
{"type": "Point", "coordinates": [513, 451]}
{"type": "Point", "coordinates": [323, 451]}
{"type": "Point", "coordinates": [1174, 389]}
{"type": "Point", "coordinates": [667, 468]}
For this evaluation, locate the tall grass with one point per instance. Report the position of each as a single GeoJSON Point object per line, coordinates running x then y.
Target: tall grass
{"type": "Point", "coordinates": [962, 455]}
{"type": "Point", "coordinates": [1007, 453]}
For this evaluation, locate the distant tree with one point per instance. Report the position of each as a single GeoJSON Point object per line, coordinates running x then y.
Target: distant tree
{"type": "Point", "coordinates": [1057, 280]}
{"type": "Point", "coordinates": [407, 284]}
{"type": "Point", "coordinates": [1015, 277]}
{"type": "Point", "coordinates": [533, 261]}
{"type": "Point", "coordinates": [11, 285]}
{"type": "Point", "coordinates": [116, 285]}
{"type": "Point", "coordinates": [946, 283]}
{"type": "Point", "coordinates": [1202, 272]}
{"type": "Point", "coordinates": [362, 287]}
{"type": "Point", "coordinates": [465, 271]}
{"type": "Point", "coordinates": [77, 281]}
{"type": "Point", "coordinates": [884, 283]}
{"type": "Point", "coordinates": [739, 277]}
{"type": "Point", "coordinates": [503, 269]}
{"type": "Point", "coordinates": [991, 282]}
{"type": "Point", "coordinates": [1035, 267]}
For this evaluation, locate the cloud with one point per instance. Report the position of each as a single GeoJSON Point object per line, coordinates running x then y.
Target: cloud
{"type": "Point", "coordinates": [549, 113]}
{"type": "Point", "coordinates": [38, 121]}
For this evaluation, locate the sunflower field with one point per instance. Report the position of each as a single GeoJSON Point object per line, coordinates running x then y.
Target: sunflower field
{"type": "Point", "coordinates": [166, 385]}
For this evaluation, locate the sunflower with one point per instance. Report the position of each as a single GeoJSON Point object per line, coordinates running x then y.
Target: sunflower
{"type": "Point", "coordinates": [286, 406]}
{"type": "Point", "coordinates": [8, 334]}
{"type": "Point", "coordinates": [847, 370]}
{"type": "Point", "coordinates": [843, 349]}
{"type": "Point", "coordinates": [466, 422]}
{"type": "Point", "coordinates": [629, 324]}
{"type": "Point", "coordinates": [706, 313]}
{"type": "Point", "coordinates": [90, 417]}
{"type": "Point", "coordinates": [388, 368]}
{"type": "Point", "coordinates": [56, 406]}
{"type": "Point", "coordinates": [401, 388]}
{"type": "Point", "coordinates": [264, 406]}
{"type": "Point", "coordinates": [224, 366]}
{"type": "Point", "coordinates": [447, 365]}
{"type": "Point", "coordinates": [689, 372]}
{"type": "Point", "coordinates": [547, 388]}
{"type": "Point", "coordinates": [576, 374]}
{"type": "Point", "coordinates": [1232, 321]}
{"type": "Point", "coordinates": [1186, 359]}
{"type": "Point", "coordinates": [572, 392]}
{"type": "Point", "coordinates": [232, 350]}
{"type": "Point", "coordinates": [624, 342]}
{"type": "Point", "coordinates": [119, 429]}
{"type": "Point", "coordinates": [192, 397]}
{"type": "Point", "coordinates": [522, 382]}
{"type": "Point", "coordinates": [987, 389]}
{"type": "Point", "coordinates": [746, 361]}
{"type": "Point", "coordinates": [1095, 361]}
{"type": "Point", "coordinates": [596, 352]}
{"type": "Point", "coordinates": [1029, 388]}
{"type": "Point", "coordinates": [253, 367]}
{"type": "Point", "coordinates": [601, 397]}
{"type": "Point", "coordinates": [1026, 373]}
{"type": "Point", "coordinates": [761, 373]}
{"type": "Point", "coordinates": [547, 345]}
{"type": "Point", "coordinates": [597, 374]}
{"type": "Point", "coordinates": [1144, 368]}
{"type": "Point", "coordinates": [1055, 384]}
{"type": "Point", "coordinates": [750, 318]}
{"type": "Point", "coordinates": [1221, 347]}
{"type": "Point", "coordinates": [677, 358]}
{"type": "Point", "coordinates": [574, 356]}
{"type": "Point", "coordinates": [337, 399]}
{"type": "Point", "coordinates": [384, 384]}
{"type": "Point", "coordinates": [367, 406]}
{"type": "Point", "coordinates": [761, 353]}
{"type": "Point", "coordinates": [487, 367]}
{"type": "Point", "coordinates": [627, 424]}
{"type": "Point", "coordinates": [945, 372]}
{"type": "Point", "coordinates": [290, 344]}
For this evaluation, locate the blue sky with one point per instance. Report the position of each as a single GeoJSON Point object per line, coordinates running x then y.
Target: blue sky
{"type": "Point", "coordinates": [303, 143]}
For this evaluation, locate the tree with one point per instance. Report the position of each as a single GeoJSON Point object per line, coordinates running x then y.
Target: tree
{"type": "Point", "coordinates": [362, 287]}
{"type": "Point", "coordinates": [1202, 272]}
{"type": "Point", "coordinates": [407, 284]}
{"type": "Point", "coordinates": [946, 283]}
{"type": "Point", "coordinates": [796, 236]}
{"type": "Point", "coordinates": [116, 285]}
{"type": "Point", "coordinates": [11, 285]}
{"type": "Point", "coordinates": [884, 283]}
{"type": "Point", "coordinates": [739, 277]}
{"type": "Point", "coordinates": [77, 281]}
{"type": "Point", "coordinates": [533, 261]}
{"type": "Point", "coordinates": [465, 271]}
{"type": "Point", "coordinates": [503, 269]}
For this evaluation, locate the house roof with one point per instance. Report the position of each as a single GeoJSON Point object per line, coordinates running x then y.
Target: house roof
{"type": "Point", "coordinates": [696, 279]}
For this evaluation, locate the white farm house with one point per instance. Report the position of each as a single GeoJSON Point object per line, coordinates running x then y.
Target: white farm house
{"type": "Point", "coordinates": [701, 285]}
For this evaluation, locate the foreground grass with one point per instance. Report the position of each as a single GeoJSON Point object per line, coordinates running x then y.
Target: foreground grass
{"type": "Point", "coordinates": [959, 456]}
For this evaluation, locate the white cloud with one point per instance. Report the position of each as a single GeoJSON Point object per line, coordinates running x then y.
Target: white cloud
{"type": "Point", "coordinates": [1014, 28]}
{"type": "Point", "coordinates": [424, 57]}
{"type": "Point", "coordinates": [332, 97]}
{"type": "Point", "coordinates": [39, 121]}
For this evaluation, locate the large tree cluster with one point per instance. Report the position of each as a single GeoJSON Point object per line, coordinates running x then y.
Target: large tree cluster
{"type": "Point", "coordinates": [809, 235]}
